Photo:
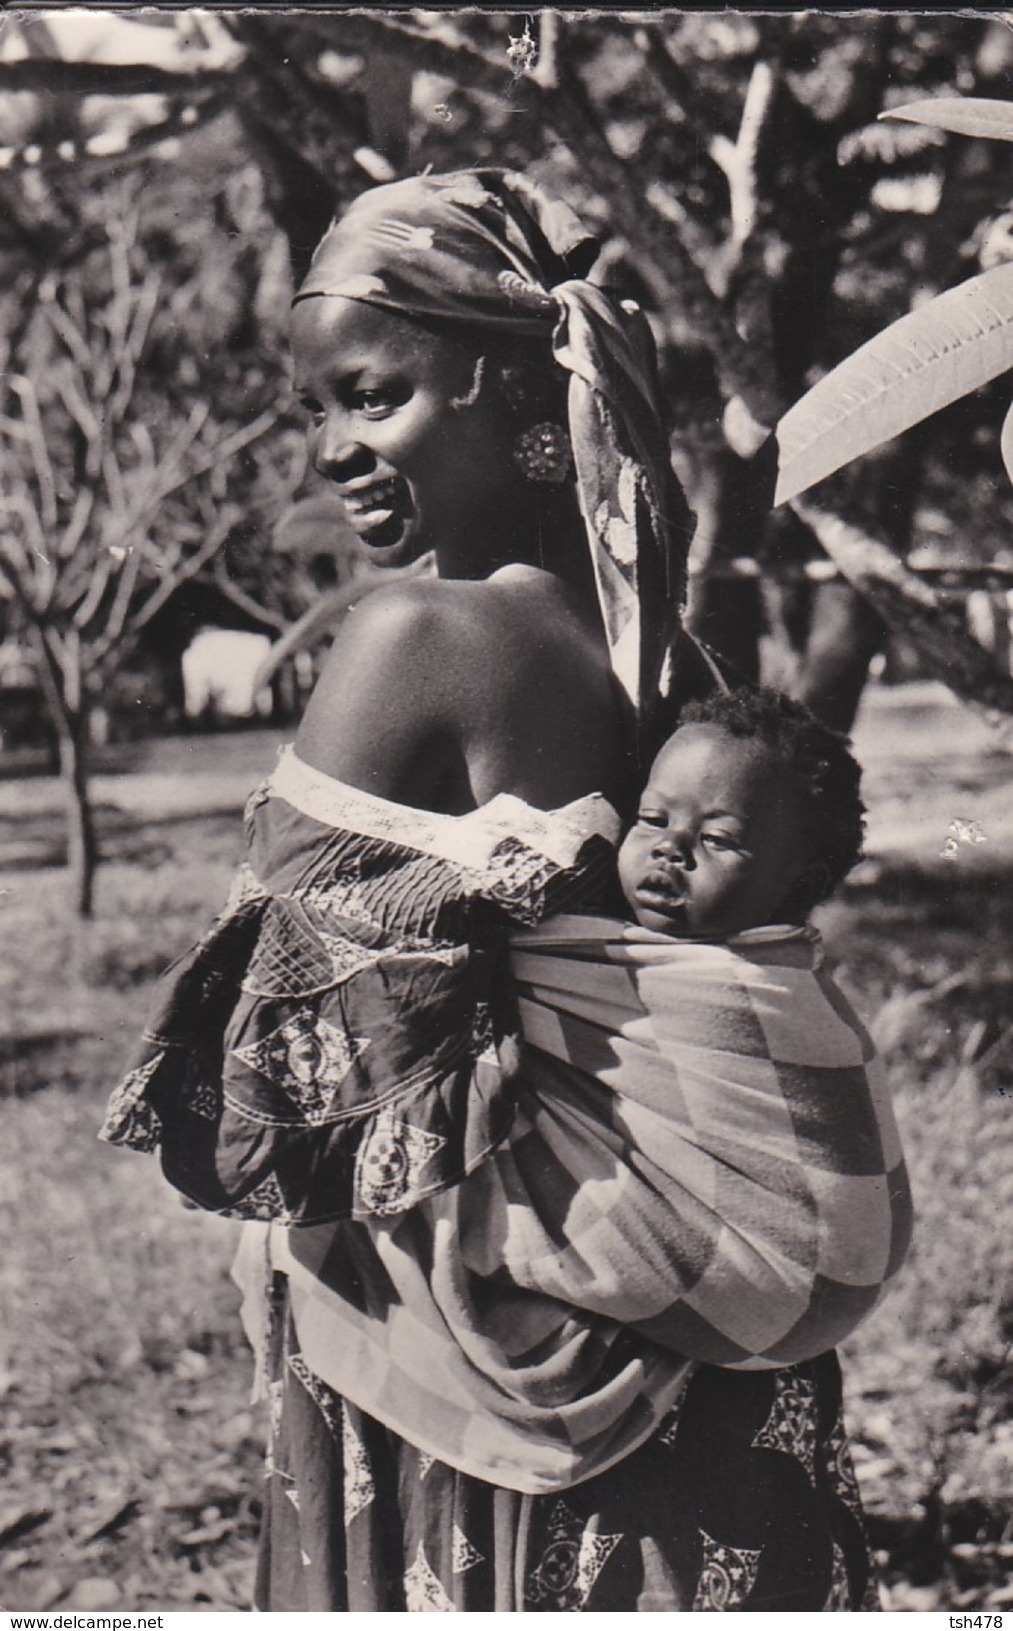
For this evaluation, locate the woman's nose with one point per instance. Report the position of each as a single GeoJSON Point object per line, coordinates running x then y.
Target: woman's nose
{"type": "Point", "coordinates": [339, 456]}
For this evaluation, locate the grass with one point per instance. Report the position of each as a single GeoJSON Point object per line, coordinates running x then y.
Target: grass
{"type": "Point", "coordinates": [131, 1456]}
{"type": "Point", "coordinates": [133, 1459]}
{"type": "Point", "coordinates": [931, 1379]}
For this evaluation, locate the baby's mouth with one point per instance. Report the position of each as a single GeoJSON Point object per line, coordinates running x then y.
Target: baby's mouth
{"type": "Point", "coordinates": [661, 891]}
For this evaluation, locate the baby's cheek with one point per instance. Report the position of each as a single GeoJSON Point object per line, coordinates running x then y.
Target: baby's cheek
{"type": "Point", "coordinates": [627, 862]}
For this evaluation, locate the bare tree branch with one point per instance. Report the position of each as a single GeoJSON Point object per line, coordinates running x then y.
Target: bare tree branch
{"type": "Point", "coordinates": [907, 603]}
{"type": "Point", "coordinates": [95, 587]}
{"type": "Point", "coordinates": [246, 603]}
{"type": "Point", "coordinates": [685, 93]}
{"type": "Point", "coordinates": [80, 515]}
{"type": "Point", "coordinates": [58, 77]}
{"type": "Point", "coordinates": [188, 569]}
{"type": "Point", "coordinates": [35, 437]}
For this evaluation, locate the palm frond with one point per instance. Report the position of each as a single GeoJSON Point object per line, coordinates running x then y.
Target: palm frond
{"type": "Point", "coordinates": [945, 349]}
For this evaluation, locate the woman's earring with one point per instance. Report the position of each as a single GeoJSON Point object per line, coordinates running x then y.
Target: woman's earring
{"type": "Point", "coordinates": [542, 453]}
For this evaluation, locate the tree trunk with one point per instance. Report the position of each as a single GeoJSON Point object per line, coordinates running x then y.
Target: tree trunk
{"type": "Point", "coordinates": [846, 633]}
{"type": "Point", "coordinates": [82, 846]}
{"type": "Point", "coordinates": [60, 673]}
{"type": "Point", "coordinates": [937, 630]}
{"type": "Point", "coordinates": [724, 612]}
{"type": "Point", "coordinates": [833, 679]}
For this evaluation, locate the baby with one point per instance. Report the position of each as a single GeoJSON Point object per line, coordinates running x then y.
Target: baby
{"type": "Point", "coordinates": [751, 816]}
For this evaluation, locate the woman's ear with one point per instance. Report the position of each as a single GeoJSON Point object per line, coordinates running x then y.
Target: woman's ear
{"type": "Point", "coordinates": [531, 390]}
{"type": "Point", "coordinates": [518, 387]}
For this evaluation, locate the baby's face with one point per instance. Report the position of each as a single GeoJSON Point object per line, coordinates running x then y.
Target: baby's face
{"type": "Point", "coordinates": [719, 840]}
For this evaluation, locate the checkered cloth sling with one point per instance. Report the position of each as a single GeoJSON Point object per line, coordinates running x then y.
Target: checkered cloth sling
{"type": "Point", "coordinates": [704, 1165]}
{"type": "Point", "coordinates": [743, 1101]}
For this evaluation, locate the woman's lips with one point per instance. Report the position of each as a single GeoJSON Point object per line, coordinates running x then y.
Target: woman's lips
{"type": "Point", "coordinates": [374, 507]}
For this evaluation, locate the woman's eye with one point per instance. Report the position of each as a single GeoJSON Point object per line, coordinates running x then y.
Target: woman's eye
{"type": "Point", "coordinates": [376, 404]}
{"type": "Point", "coordinates": [310, 405]}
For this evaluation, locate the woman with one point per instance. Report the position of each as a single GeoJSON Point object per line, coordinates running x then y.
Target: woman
{"type": "Point", "coordinates": [473, 395]}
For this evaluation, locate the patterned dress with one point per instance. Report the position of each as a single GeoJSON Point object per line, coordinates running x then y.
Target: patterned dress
{"type": "Point", "coordinates": [745, 1499]}
{"type": "Point", "coordinates": [274, 1083]}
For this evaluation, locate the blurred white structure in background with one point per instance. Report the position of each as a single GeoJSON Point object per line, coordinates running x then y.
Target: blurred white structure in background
{"type": "Point", "coordinates": [174, 41]}
{"type": "Point", "coordinates": [219, 667]}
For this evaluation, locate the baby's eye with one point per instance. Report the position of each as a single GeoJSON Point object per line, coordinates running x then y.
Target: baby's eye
{"type": "Point", "coordinates": [650, 818]}
{"type": "Point", "coordinates": [720, 841]}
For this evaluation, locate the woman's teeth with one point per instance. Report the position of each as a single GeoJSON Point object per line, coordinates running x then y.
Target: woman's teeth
{"type": "Point", "coordinates": [373, 501]}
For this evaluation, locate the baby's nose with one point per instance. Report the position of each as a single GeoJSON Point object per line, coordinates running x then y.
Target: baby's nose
{"type": "Point", "coordinates": [673, 845]}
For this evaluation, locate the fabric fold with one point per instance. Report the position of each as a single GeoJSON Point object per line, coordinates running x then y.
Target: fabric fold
{"type": "Point", "coordinates": [343, 1041]}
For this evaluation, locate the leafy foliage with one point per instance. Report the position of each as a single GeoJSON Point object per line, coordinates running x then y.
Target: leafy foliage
{"type": "Point", "coordinates": [947, 348]}
{"type": "Point", "coordinates": [732, 162]}
{"type": "Point", "coordinates": [966, 115]}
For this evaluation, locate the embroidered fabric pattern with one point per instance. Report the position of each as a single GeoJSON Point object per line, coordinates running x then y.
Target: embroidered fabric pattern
{"type": "Point", "coordinates": [658, 1532]}
{"type": "Point", "coordinates": [130, 1118]}
{"type": "Point", "coordinates": [573, 1558]}
{"type": "Point", "coordinates": [727, 1576]}
{"type": "Point", "coordinates": [791, 1426]}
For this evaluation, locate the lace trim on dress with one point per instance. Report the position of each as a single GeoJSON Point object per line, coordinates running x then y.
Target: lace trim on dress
{"type": "Point", "coordinates": [466, 840]}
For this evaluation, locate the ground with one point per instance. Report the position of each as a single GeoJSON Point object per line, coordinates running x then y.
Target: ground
{"type": "Point", "coordinates": [131, 1454]}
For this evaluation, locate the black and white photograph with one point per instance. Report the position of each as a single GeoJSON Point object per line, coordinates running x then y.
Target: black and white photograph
{"type": "Point", "coordinates": [506, 831]}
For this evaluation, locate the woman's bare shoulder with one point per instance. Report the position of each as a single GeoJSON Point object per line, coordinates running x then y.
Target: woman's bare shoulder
{"type": "Point", "coordinates": [404, 670]}
{"type": "Point", "coordinates": [425, 670]}
{"type": "Point", "coordinates": [426, 612]}
{"type": "Point", "coordinates": [377, 708]}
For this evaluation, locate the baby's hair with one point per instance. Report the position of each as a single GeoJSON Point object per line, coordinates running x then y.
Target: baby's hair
{"type": "Point", "coordinates": [820, 759]}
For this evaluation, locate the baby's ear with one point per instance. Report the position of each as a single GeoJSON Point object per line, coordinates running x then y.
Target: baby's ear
{"type": "Point", "coordinates": [812, 885]}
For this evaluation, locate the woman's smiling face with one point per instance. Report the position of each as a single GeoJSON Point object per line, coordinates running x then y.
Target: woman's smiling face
{"type": "Point", "coordinates": [719, 842]}
{"type": "Point", "coordinates": [420, 455]}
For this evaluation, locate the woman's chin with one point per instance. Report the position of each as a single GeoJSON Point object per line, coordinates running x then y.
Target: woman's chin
{"type": "Point", "coordinates": [391, 543]}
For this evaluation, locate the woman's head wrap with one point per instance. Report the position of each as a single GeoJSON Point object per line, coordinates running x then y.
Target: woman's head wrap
{"type": "Point", "coordinates": [489, 249]}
